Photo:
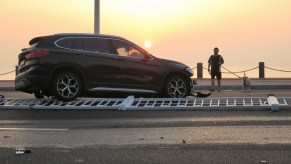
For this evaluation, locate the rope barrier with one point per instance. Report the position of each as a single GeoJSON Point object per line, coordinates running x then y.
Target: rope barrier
{"type": "Point", "coordinates": [277, 69]}
{"type": "Point", "coordinates": [231, 72]}
{"type": "Point", "coordinates": [248, 70]}
{"type": "Point", "coordinates": [7, 73]}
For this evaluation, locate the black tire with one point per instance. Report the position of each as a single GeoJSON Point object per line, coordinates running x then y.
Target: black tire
{"type": "Point", "coordinates": [66, 86]}
{"type": "Point", "coordinates": [38, 95]}
{"type": "Point", "coordinates": [176, 87]}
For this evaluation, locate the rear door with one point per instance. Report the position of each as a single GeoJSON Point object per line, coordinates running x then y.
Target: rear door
{"type": "Point", "coordinates": [100, 65]}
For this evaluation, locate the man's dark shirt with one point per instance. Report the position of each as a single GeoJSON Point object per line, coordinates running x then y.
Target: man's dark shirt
{"type": "Point", "coordinates": [215, 62]}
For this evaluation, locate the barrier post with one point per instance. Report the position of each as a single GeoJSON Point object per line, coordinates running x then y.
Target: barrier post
{"type": "Point", "coordinates": [261, 70]}
{"type": "Point", "coordinates": [200, 70]}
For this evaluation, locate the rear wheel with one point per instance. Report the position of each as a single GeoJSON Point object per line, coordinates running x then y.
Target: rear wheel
{"type": "Point", "coordinates": [176, 87]}
{"type": "Point", "coordinates": [66, 86]}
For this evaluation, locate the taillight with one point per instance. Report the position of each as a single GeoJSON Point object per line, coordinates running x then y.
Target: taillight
{"type": "Point", "coordinates": [37, 54]}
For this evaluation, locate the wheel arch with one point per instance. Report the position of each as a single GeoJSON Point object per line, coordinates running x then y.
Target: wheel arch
{"type": "Point", "coordinates": [187, 78]}
{"type": "Point", "coordinates": [72, 69]}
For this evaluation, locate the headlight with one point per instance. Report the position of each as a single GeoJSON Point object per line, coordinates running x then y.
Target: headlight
{"type": "Point", "coordinates": [189, 70]}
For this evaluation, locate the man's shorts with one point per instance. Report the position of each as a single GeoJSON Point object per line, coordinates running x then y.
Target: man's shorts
{"type": "Point", "coordinates": [216, 74]}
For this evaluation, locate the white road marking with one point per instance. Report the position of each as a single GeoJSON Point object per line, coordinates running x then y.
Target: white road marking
{"type": "Point", "coordinates": [31, 129]}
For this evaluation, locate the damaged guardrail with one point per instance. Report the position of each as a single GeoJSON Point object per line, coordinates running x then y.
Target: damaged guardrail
{"type": "Point", "coordinates": [130, 103]}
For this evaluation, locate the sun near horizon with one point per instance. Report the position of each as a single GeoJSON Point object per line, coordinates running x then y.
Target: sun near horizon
{"type": "Point", "coordinates": [148, 44]}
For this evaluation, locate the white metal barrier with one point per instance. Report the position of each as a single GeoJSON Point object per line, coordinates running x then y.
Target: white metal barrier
{"type": "Point", "coordinates": [131, 103]}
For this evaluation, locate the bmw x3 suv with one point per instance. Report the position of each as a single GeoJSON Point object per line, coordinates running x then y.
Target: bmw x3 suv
{"type": "Point", "coordinates": [67, 66]}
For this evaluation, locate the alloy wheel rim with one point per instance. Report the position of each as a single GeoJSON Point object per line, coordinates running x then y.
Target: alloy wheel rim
{"type": "Point", "coordinates": [177, 88]}
{"type": "Point", "coordinates": [67, 86]}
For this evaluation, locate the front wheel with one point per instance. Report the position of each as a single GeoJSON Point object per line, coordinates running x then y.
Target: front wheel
{"type": "Point", "coordinates": [66, 86]}
{"type": "Point", "coordinates": [176, 87]}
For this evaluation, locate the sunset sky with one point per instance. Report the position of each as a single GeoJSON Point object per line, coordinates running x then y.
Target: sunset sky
{"type": "Point", "coordinates": [246, 31]}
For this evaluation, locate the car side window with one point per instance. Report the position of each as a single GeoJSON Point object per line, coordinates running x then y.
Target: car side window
{"type": "Point", "coordinates": [79, 45]}
{"type": "Point", "coordinates": [65, 43]}
{"type": "Point", "coordinates": [126, 49]}
{"type": "Point", "coordinates": [96, 45]}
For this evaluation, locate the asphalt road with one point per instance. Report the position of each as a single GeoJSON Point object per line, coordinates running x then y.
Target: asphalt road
{"type": "Point", "coordinates": [88, 136]}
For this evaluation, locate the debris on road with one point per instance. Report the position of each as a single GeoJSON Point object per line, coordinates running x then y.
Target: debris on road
{"type": "Point", "coordinates": [22, 152]}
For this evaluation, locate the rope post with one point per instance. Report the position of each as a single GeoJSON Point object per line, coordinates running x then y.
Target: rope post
{"type": "Point", "coordinates": [261, 70]}
{"type": "Point", "coordinates": [16, 70]}
{"type": "Point", "coordinates": [200, 70]}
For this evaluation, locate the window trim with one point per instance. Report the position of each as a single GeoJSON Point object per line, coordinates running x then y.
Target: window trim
{"type": "Point", "coordinates": [81, 37]}
{"type": "Point", "coordinates": [56, 44]}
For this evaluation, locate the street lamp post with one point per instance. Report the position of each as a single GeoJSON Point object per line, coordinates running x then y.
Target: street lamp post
{"type": "Point", "coordinates": [97, 17]}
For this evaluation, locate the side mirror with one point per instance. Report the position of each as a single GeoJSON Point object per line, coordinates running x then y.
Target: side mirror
{"type": "Point", "coordinates": [146, 57]}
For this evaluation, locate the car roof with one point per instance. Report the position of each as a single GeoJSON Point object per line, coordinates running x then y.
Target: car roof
{"type": "Point", "coordinates": [60, 35]}
{"type": "Point", "coordinates": [87, 35]}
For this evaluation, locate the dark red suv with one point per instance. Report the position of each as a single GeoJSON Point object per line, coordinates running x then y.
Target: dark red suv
{"type": "Point", "coordinates": [70, 65]}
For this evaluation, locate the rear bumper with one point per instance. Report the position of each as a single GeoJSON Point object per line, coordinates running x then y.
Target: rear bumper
{"type": "Point", "coordinates": [22, 84]}
{"type": "Point", "coordinates": [32, 80]}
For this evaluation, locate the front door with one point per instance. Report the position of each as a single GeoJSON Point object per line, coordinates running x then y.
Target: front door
{"type": "Point", "coordinates": [139, 69]}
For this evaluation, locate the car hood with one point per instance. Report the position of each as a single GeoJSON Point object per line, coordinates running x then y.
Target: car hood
{"type": "Point", "coordinates": [171, 62]}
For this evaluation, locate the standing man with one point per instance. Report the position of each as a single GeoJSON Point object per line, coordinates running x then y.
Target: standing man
{"type": "Point", "coordinates": [215, 61]}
